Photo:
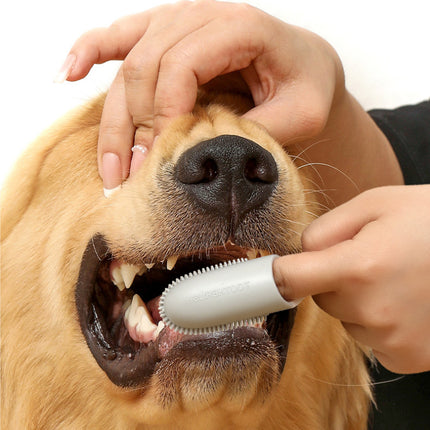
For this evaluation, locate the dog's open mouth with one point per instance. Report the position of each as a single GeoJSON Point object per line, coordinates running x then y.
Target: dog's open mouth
{"type": "Point", "coordinates": [117, 305]}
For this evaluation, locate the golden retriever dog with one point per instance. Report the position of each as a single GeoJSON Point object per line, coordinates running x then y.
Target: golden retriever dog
{"type": "Point", "coordinates": [82, 342]}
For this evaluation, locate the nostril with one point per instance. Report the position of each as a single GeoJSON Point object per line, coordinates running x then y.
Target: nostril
{"type": "Point", "coordinates": [209, 171]}
{"type": "Point", "coordinates": [193, 170]}
{"type": "Point", "coordinates": [257, 171]}
{"type": "Point", "coordinates": [227, 175]}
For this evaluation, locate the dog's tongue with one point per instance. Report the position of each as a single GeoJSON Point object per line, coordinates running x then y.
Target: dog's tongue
{"type": "Point", "coordinates": [167, 338]}
{"type": "Point", "coordinates": [152, 306]}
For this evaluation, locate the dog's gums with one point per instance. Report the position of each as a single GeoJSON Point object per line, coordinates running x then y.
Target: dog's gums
{"type": "Point", "coordinates": [118, 310]}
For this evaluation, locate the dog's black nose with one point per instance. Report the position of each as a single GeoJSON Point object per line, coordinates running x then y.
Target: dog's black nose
{"type": "Point", "coordinates": [228, 175]}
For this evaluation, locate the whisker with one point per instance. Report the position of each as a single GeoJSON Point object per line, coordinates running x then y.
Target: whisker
{"type": "Point", "coordinates": [312, 214]}
{"type": "Point", "coordinates": [95, 249]}
{"type": "Point", "coordinates": [335, 169]}
{"type": "Point", "coordinates": [310, 147]}
{"type": "Point", "coordinates": [370, 384]}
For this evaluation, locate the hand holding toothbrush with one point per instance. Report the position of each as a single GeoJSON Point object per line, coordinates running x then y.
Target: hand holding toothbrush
{"type": "Point", "coordinates": [367, 263]}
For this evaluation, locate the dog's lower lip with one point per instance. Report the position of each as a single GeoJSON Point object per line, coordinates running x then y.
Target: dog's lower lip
{"type": "Point", "coordinates": [128, 363]}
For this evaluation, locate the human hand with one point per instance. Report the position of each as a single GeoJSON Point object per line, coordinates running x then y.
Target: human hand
{"type": "Point", "coordinates": [367, 263]}
{"type": "Point", "coordinates": [295, 77]}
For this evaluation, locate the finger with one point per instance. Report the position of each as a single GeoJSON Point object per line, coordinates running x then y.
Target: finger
{"type": "Point", "coordinates": [341, 306]}
{"type": "Point", "coordinates": [116, 136]}
{"type": "Point", "coordinates": [103, 44]}
{"type": "Point", "coordinates": [304, 109]}
{"type": "Point", "coordinates": [373, 338]}
{"type": "Point", "coordinates": [392, 358]}
{"type": "Point", "coordinates": [140, 153]}
{"type": "Point", "coordinates": [312, 273]}
{"type": "Point", "coordinates": [182, 69]}
{"type": "Point", "coordinates": [142, 69]}
{"type": "Point", "coordinates": [341, 223]}
{"type": "Point", "coordinates": [294, 89]}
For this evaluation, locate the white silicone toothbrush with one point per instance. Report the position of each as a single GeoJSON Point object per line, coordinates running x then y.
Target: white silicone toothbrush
{"type": "Point", "coordinates": [222, 297]}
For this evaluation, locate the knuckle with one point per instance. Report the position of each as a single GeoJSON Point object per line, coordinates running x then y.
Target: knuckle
{"type": "Point", "coordinates": [141, 67]}
{"type": "Point", "coordinates": [312, 112]}
{"type": "Point", "coordinates": [111, 128]}
{"type": "Point", "coordinates": [310, 240]}
{"type": "Point", "coordinates": [142, 136]}
{"type": "Point", "coordinates": [116, 29]}
{"type": "Point", "coordinates": [173, 57]}
{"type": "Point", "coordinates": [314, 120]}
{"type": "Point", "coordinates": [366, 270]}
{"type": "Point", "coordinates": [133, 66]}
{"type": "Point", "coordinates": [242, 15]}
{"type": "Point", "coordinates": [245, 11]}
{"type": "Point", "coordinates": [143, 121]}
{"type": "Point", "coordinates": [90, 40]}
{"type": "Point", "coordinates": [371, 269]}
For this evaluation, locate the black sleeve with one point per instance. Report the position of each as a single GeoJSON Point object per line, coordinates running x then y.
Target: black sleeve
{"type": "Point", "coordinates": [402, 401]}
{"type": "Point", "coordinates": [408, 130]}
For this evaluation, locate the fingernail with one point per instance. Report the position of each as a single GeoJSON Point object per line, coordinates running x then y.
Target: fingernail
{"type": "Point", "coordinates": [65, 69]}
{"type": "Point", "coordinates": [140, 152]}
{"type": "Point", "coordinates": [107, 193]}
{"type": "Point", "coordinates": [111, 173]}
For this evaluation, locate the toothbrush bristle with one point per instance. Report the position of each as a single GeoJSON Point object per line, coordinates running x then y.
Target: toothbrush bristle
{"type": "Point", "coordinates": [204, 330]}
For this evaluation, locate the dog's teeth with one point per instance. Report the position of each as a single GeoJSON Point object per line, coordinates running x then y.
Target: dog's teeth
{"type": "Point", "coordinates": [116, 276]}
{"type": "Point", "coordinates": [122, 274]}
{"type": "Point", "coordinates": [160, 327]}
{"type": "Point", "coordinates": [128, 272]}
{"type": "Point", "coordinates": [142, 270]}
{"type": "Point", "coordinates": [171, 261]}
{"type": "Point", "coordinates": [139, 321]}
{"type": "Point", "coordinates": [251, 254]}
{"type": "Point", "coordinates": [130, 316]}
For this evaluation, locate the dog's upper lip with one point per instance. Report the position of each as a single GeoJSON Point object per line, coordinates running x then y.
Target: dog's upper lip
{"type": "Point", "coordinates": [120, 369]}
{"type": "Point", "coordinates": [134, 364]}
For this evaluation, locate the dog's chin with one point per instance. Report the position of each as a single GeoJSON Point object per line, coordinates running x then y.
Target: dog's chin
{"type": "Point", "coordinates": [123, 329]}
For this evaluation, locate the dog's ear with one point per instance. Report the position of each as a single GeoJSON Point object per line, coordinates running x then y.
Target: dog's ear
{"type": "Point", "coordinates": [26, 177]}
{"type": "Point", "coordinates": [19, 187]}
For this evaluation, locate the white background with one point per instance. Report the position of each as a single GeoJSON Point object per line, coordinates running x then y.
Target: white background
{"type": "Point", "coordinates": [384, 45]}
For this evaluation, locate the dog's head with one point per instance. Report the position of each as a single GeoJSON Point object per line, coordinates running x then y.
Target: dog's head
{"type": "Point", "coordinates": [83, 276]}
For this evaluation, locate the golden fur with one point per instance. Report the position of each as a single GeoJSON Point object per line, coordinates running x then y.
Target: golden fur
{"type": "Point", "coordinates": [53, 204]}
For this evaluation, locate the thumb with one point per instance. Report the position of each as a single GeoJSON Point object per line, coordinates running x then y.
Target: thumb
{"type": "Point", "coordinates": [333, 256]}
{"type": "Point", "coordinates": [311, 273]}
{"type": "Point", "coordinates": [296, 112]}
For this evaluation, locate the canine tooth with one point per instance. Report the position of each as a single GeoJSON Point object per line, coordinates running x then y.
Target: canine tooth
{"type": "Point", "coordinates": [128, 272]}
{"type": "Point", "coordinates": [139, 321]}
{"type": "Point", "coordinates": [251, 254]}
{"type": "Point", "coordinates": [117, 278]}
{"type": "Point", "coordinates": [159, 328]}
{"type": "Point", "coordinates": [130, 313]}
{"type": "Point", "coordinates": [171, 261]}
